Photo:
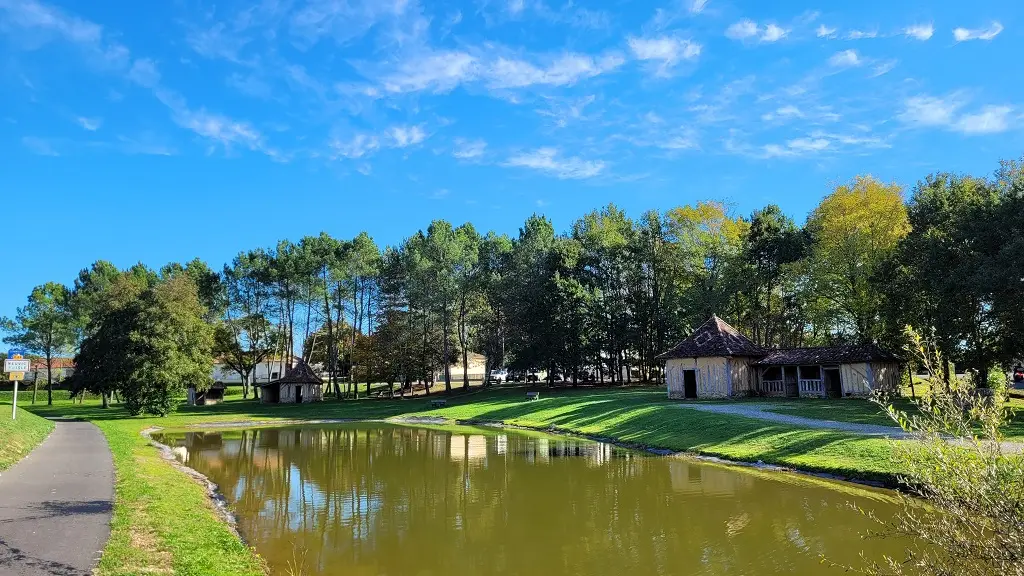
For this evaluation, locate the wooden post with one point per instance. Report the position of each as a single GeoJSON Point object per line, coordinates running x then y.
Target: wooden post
{"type": "Point", "coordinates": [910, 372]}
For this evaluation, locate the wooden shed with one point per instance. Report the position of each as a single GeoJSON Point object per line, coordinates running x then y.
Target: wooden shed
{"type": "Point", "coordinates": [299, 385]}
{"type": "Point", "coordinates": [717, 361]}
{"type": "Point", "coordinates": [714, 362]}
{"type": "Point", "coordinates": [828, 371]}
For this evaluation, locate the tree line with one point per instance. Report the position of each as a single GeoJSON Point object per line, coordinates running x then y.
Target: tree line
{"type": "Point", "coordinates": [596, 302]}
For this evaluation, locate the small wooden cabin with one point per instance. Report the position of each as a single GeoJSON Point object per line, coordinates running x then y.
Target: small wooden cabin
{"type": "Point", "coordinates": [299, 385]}
{"type": "Point", "coordinates": [212, 395]}
{"type": "Point", "coordinates": [717, 361]}
{"type": "Point", "coordinates": [714, 362]}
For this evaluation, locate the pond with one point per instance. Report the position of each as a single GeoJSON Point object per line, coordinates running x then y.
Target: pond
{"type": "Point", "coordinates": [388, 499]}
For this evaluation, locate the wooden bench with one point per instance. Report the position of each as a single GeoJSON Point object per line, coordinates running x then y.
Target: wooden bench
{"type": "Point", "coordinates": [439, 403]}
{"type": "Point", "coordinates": [533, 395]}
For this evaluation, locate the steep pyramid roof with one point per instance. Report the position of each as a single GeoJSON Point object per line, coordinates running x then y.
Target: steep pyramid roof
{"type": "Point", "coordinates": [301, 373]}
{"type": "Point", "coordinates": [714, 338]}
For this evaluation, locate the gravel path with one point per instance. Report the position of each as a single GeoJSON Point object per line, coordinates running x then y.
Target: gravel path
{"type": "Point", "coordinates": [55, 504]}
{"type": "Point", "coordinates": [761, 412]}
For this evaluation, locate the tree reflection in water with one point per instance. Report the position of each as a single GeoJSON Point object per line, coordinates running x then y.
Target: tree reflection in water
{"type": "Point", "coordinates": [398, 500]}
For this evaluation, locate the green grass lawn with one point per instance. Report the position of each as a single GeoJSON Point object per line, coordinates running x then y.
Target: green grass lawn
{"type": "Point", "coordinates": [162, 519]}
{"type": "Point", "coordinates": [19, 436]}
{"type": "Point", "coordinates": [867, 412]}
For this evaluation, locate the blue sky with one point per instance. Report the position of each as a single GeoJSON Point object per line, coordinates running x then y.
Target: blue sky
{"type": "Point", "coordinates": [161, 131]}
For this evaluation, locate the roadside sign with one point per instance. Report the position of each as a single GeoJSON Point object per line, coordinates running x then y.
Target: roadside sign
{"type": "Point", "coordinates": [17, 365]}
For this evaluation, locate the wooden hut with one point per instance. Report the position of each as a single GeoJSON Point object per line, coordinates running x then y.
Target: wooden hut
{"type": "Point", "coordinates": [212, 395]}
{"type": "Point", "coordinates": [299, 384]}
{"type": "Point", "coordinates": [716, 361]}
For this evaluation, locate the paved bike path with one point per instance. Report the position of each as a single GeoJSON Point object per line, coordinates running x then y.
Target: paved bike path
{"type": "Point", "coordinates": [55, 504]}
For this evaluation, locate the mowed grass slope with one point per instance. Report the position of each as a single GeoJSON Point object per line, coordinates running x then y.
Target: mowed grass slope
{"type": "Point", "coordinates": [19, 436]}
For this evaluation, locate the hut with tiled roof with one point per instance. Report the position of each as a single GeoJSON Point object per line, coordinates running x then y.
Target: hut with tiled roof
{"type": "Point", "coordinates": [717, 361]}
{"type": "Point", "coordinates": [298, 385]}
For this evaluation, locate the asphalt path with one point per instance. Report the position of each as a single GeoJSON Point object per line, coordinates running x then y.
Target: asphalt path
{"type": "Point", "coordinates": [55, 504]}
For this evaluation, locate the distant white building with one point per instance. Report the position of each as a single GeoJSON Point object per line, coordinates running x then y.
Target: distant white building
{"type": "Point", "coordinates": [263, 373]}
{"type": "Point", "coordinates": [61, 368]}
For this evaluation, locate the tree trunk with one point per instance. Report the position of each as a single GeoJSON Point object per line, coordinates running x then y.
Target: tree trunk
{"type": "Point", "coordinates": [106, 399]}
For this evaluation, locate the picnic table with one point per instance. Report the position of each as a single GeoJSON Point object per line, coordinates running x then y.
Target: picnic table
{"type": "Point", "coordinates": [438, 403]}
{"type": "Point", "coordinates": [533, 395]}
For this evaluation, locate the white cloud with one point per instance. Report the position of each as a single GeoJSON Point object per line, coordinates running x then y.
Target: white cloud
{"type": "Point", "coordinates": [404, 136]}
{"type": "Point", "coordinates": [773, 33]}
{"type": "Point", "coordinates": [144, 73]}
{"type": "Point", "coordinates": [547, 160]}
{"type": "Point", "coordinates": [931, 110]}
{"type": "Point", "coordinates": [746, 29]}
{"type": "Point", "coordinates": [697, 6]}
{"type": "Point", "coordinates": [919, 31]}
{"type": "Point", "coordinates": [964, 34]}
{"type": "Point", "coordinates": [358, 146]}
{"type": "Point", "coordinates": [90, 124]}
{"type": "Point", "coordinates": [783, 113]}
{"type": "Point", "coordinates": [845, 59]}
{"type": "Point", "coordinates": [435, 71]}
{"type": "Point", "coordinates": [39, 146]}
{"type": "Point", "coordinates": [991, 120]}
{"type": "Point", "coordinates": [665, 49]}
{"type": "Point", "coordinates": [861, 34]}
{"type": "Point", "coordinates": [565, 70]}
{"type": "Point", "coordinates": [220, 129]}
{"type": "Point", "coordinates": [515, 7]}
{"type": "Point", "coordinates": [469, 149]}
{"type": "Point", "coordinates": [884, 67]}
{"type": "Point", "coordinates": [37, 17]}
{"type": "Point", "coordinates": [826, 32]}
{"type": "Point", "coordinates": [742, 30]}
{"type": "Point", "coordinates": [795, 147]}
{"type": "Point", "coordinates": [808, 144]}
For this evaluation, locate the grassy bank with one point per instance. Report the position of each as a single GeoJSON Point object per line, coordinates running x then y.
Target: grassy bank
{"type": "Point", "coordinates": [19, 436]}
{"type": "Point", "coordinates": [162, 519]}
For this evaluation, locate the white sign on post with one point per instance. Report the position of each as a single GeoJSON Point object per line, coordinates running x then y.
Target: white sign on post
{"type": "Point", "coordinates": [17, 365]}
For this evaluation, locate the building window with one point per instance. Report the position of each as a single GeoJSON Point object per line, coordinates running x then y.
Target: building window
{"type": "Point", "coordinates": [810, 372]}
{"type": "Point", "coordinates": [273, 375]}
{"type": "Point", "coordinates": [773, 373]}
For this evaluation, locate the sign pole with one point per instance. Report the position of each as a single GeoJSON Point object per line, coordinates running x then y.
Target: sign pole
{"type": "Point", "coordinates": [14, 403]}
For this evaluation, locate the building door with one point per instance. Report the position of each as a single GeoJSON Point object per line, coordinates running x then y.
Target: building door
{"type": "Point", "coordinates": [689, 383]}
{"type": "Point", "coordinates": [833, 384]}
{"type": "Point", "coordinates": [792, 381]}
{"type": "Point", "coordinates": [298, 394]}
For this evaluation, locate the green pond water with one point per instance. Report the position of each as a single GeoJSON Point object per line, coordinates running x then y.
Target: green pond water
{"type": "Point", "coordinates": [383, 499]}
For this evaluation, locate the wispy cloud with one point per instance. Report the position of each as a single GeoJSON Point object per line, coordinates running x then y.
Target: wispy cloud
{"type": "Point", "coordinates": [220, 129]}
{"type": "Point", "coordinates": [90, 124]}
{"type": "Point", "coordinates": [469, 149]}
{"type": "Point", "coordinates": [945, 112]}
{"type": "Point", "coordinates": [667, 51]}
{"type": "Point", "coordinates": [549, 161]}
{"type": "Point", "coordinates": [39, 146]}
{"type": "Point", "coordinates": [861, 34]}
{"type": "Point", "coordinates": [697, 6]}
{"type": "Point", "coordinates": [845, 59]}
{"type": "Point", "coordinates": [990, 120]}
{"type": "Point", "coordinates": [965, 34]}
{"type": "Point", "coordinates": [920, 32]}
{"type": "Point", "coordinates": [355, 147]}
{"type": "Point", "coordinates": [405, 136]}
{"type": "Point", "coordinates": [747, 29]}
{"type": "Point", "coordinates": [564, 70]}
{"type": "Point", "coordinates": [931, 110]}
{"type": "Point", "coordinates": [434, 71]}
{"type": "Point", "coordinates": [826, 32]}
